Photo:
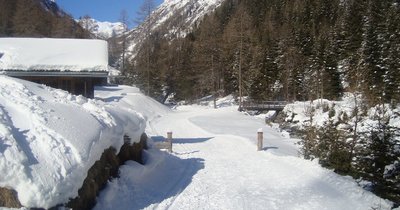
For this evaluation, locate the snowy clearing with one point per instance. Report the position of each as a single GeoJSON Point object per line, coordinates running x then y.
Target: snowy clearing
{"type": "Point", "coordinates": [215, 165]}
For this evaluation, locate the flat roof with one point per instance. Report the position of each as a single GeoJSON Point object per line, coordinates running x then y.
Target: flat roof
{"type": "Point", "coordinates": [56, 55]}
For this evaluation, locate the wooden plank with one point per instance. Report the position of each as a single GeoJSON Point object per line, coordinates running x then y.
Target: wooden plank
{"type": "Point", "coordinates": [265, 105]}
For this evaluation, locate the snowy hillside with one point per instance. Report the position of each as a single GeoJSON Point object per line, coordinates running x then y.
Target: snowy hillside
{"type": "Point", "coordinates": [50, 138]}
{"type": "Point", "coordinates": [174, 17]}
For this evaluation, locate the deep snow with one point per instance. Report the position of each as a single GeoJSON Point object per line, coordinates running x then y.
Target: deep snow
{"type": "Point", "coordinates": [215, 165]}
{"type": "Point", "coordinates": [50, 138]}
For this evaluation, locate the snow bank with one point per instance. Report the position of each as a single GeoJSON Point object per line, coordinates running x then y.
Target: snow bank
{"type": "Point", "coordinates": [131, 97]}
{"type": "Point", "coordinates": [299, 113]}
{"type": "Point", "coordinates": [50, 138]}
{"type": "Point", "coordinates": [45, 54]}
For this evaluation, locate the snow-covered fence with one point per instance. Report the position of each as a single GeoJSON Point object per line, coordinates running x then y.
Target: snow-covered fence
{"type": "Point", "coordinates": [260, 138]}
{"type": "Point", "coordinates": [165, 143]}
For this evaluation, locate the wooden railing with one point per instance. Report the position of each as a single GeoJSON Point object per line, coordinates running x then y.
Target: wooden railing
{"type": "Point", "coordinates": [264, 105]}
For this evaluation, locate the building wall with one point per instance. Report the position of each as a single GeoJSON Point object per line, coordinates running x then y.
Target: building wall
{"type": "Point", "coordinates": [75, 85]}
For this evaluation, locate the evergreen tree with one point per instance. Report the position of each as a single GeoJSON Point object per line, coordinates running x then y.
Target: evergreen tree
{"type": "Point", "coordinates": [145, 18]}
{"type": "Point", "coordinates": [381, 151]}
{"type": "Point", "coordinates": [392, 78]}
{"type": "Point", "coordinates": [373, 62]}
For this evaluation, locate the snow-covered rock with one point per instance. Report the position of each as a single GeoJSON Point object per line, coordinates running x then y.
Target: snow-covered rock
{"type": "Point", "coordinates": [50, 138]}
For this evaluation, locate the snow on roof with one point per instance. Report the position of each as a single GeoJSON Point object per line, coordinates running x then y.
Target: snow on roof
{"type": "Point", "coordinates": [49, 139]}
{"type": "Point", "coordinates": [46, 54]}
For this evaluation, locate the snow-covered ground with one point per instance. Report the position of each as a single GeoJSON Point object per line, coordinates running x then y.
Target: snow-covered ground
{"type": "Point", "coordinates": [215, 165]}
{"type": "Point", "coordinates": [50, 138]}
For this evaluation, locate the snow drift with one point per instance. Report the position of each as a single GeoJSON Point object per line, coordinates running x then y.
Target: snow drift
{"type": "Point", "coordinates": [50, 138]}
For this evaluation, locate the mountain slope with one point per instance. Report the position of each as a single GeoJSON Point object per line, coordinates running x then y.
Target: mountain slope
{"type": "Point", "coordinates": [37, 18]}
{"type": "Point", "coordinates": [108, 29]}
{"type": "Point", "coordinates": [102, 30]}
{"type": "Point", "coordinates": [173, 18]}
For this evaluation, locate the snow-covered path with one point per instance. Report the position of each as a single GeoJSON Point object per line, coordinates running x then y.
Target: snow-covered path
{"type": "Point", "coordinates": [215, 165]}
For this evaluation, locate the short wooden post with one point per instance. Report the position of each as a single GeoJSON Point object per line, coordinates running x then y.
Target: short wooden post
{"type": "Point", "coordinates": [169, 141]}
{"type": "Point", "coordinates": [260, 138]}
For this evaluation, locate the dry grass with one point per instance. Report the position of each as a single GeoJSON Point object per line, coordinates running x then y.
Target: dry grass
{"type": "Point", "coordinates": [9, 198]}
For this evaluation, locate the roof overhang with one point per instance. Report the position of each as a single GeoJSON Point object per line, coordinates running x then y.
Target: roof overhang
{"type": "Point", "coordinates": [13, 73]}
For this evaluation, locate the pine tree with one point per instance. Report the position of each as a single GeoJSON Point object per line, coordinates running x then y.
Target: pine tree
{"type": "Point", "coordinates": [145, 18]}
{"type": "Point", "coordinates": [373, 63]}
{"type": "Point", "coordinates": [124, 19]}
{"type": "Point", "coordinates": [238, 36]}
{"type": "Point", "coordinates": [392, 78]}
{"type": "Point", "coordinates": [208, 50]}
{"type": "Point", "coordinates": [332, 147]}
{"type": "Point", "coordinates": [381, 151]}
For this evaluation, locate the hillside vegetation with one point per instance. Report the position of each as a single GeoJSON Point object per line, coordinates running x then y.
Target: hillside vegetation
{"type": "Point", "coordinates": [37, 18]}
{"type": "Point", "coordinates": [299, 50]}
{"type": "Point", "coordinates": [286, 50]}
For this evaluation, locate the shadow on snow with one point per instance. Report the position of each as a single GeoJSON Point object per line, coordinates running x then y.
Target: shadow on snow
{"type": "Point", "coordinates": [181, 140]}
{"type": "Point", "coordinates": [164, 176]}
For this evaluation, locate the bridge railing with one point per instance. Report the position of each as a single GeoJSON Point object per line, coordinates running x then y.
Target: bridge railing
{"type": "Point", "coordinates": [264, 105]}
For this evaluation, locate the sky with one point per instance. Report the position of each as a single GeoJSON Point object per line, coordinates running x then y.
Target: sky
{"type": "Point", "coordinates": [102, 10]}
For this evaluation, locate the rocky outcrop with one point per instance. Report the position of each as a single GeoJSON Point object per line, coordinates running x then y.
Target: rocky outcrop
{"type": "Point", "coordinates": [9, 198]}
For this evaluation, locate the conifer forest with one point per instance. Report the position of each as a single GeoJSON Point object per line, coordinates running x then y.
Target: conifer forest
{"type": "Point", "coordinates": [300, 50]}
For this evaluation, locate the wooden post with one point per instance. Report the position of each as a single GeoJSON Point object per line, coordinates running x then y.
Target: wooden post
{"type": "Point", "coordinates": [169, 141]}
{"type": "Point", "coordinates": [260, 138]}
